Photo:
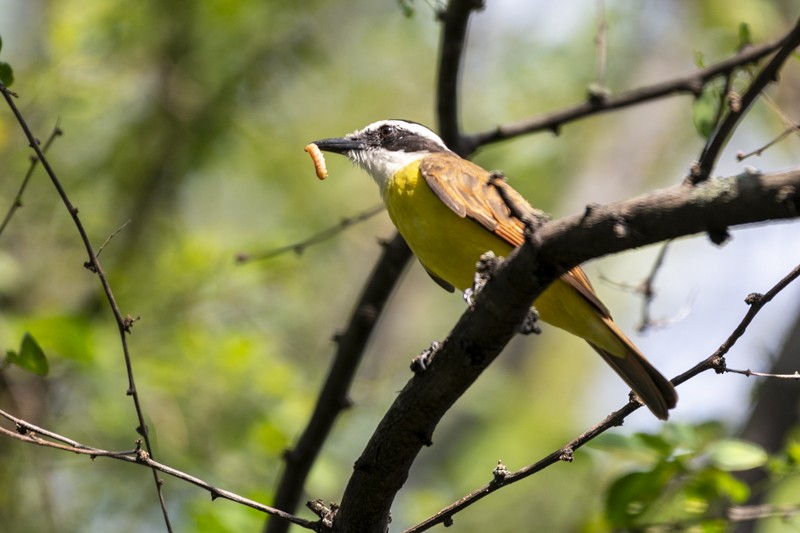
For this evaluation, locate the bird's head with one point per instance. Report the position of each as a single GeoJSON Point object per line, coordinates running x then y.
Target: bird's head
{"type": "Point", "coordinates": [386, 146]}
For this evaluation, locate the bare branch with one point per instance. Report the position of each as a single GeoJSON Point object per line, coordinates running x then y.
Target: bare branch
{"type": "Point", "coordinates": [690, 84]}
{"type": "Point", "coordinates": [719, 138]}
{"type": "Point", "coordinates": [94, 265]}
{"type": "Point", "coordinates": [17, 203]}
{"type": "Point", "coordinates": [483, 330]}
{"type": "Point", "coordinates": [322, 236]}
{"type": "Point", "coordinates": [30, 433]}
{"type": "Point", "coordinates": [454, 37]}
{"type": "Point", "coordinates": [566, 452]}
{"type": "Point", "coordinates": [334, 396]}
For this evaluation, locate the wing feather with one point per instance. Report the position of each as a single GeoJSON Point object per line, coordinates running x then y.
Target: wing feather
{"type": "Point", "coordinates": [464, 187]}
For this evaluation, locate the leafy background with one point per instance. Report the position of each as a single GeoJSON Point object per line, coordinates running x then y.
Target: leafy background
{"type": "Point", "coordinates": [190, 120]}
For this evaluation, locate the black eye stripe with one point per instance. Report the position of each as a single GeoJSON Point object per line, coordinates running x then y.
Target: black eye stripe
{"type": "Point", "coordinates": [397, 139]}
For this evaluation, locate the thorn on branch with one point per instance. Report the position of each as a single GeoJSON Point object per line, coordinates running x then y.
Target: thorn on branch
{"type": "Point", "coordinates": [421, 362]}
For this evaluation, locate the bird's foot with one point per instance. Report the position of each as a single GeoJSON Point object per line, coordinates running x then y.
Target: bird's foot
{"type": "Point", "coordinates": [484, 270]}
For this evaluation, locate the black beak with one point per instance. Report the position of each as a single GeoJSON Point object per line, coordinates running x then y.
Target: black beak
{"type": "Point", "coordinates": [340, 145]}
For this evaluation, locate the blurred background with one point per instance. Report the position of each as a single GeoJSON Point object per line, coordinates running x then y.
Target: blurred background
{"type": "Point", "coordinates": [188, 119]}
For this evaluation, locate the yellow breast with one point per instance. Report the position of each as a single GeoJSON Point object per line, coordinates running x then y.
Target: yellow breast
{"type": "Point", "coordinates": [447, 245]}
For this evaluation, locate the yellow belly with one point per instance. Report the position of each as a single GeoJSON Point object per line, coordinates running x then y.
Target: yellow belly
{"type": "Point", "coordinates": [449, 247]}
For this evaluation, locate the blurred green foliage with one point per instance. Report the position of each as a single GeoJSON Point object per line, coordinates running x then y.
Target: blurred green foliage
{"type": "Point", "coordinates": [189, 120]}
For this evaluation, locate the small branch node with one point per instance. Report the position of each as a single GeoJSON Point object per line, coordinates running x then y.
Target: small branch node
{"type": "Point", "coordinates": [421, 362]}
{"type": "Point", "coordinates": [718, 364]}
{"type": "Point", "coordinates": [529, 324]}
{"type": "Point", "coordinates": [719, 236]}
{"type": "Point", "coordinates": [567, 455]}
{"type": "Point", "coordinates": [128, 321]}
{"type": "Point", "coordinates": [753, 298]}
{"type": "Point", "coordinates": [734, 101]}
{"type": "Point", "coordinates": [499, 473]}
{"type": "Point", "coordinates": [326, 513]}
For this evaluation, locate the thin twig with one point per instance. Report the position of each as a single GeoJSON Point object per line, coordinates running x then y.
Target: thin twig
{"type": "Point", "coordinates": [122, 325]}
{"type": "Point", "coordinates": [600, 42]}
{"type": "Point", "coordinates": [566, 452]}
{"type": "Point", "coordinates": [692, 83]}
{"type": "Point", "coordinates": [794, 128]}
{"type": "Point", "coordinates": [719, 138]}
{"type": "Point", "coordinates": [647, 290]}
{"type": "Point", "coordinates": [17, 203]}
{"type": "Point", "coordinates": [113, 234]}
{"type": "Point", "coordinates": [300, 246]}
{"type": "Point", "coordinates": [32, 434]}
{"type": "Point", "coordinates": [749, 373]}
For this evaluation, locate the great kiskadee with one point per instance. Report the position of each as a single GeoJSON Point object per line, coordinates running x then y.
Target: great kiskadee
{"type": "Point", "coordinates": [443, 208]}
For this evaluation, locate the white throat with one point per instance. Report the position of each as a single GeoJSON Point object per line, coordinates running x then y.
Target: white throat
{"type": "Point", "coordinates": [383, 164]}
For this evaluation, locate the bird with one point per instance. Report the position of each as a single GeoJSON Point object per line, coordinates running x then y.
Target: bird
{"type": "Point", "coordinates": [445, 210]}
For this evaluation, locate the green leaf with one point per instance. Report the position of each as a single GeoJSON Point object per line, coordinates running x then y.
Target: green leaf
{"type": "Point", "coordinates": [632, 495]}
{"type": "Point", "coordinates": [704, 110]}
{"type": "Point", "coordinates": [699, 61]}
{"type": "Point", "coordinates": [6, 74]}
{"type": "Point", "coordinates": [30, 357]}
{"type": "Point", "coordinates": [407, 7]}
{"type": "Point", "coordinates": [733, 455]}
{"type": "Point", "coordinates": [745, 36]}
{"type": "Point", "coordinates": [656, 443]}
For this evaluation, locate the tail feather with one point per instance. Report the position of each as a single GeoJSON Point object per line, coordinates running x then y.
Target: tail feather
{"type": "Point", "coordinates": [652, 388]}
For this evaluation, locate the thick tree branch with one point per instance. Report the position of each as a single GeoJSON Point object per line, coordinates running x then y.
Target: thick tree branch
{"type": "Point", "coordinates": [454, 37]}
{"type": "Point", "coordinates": [386, 274]}
{"type": "Point", "coordinates": [334, 396]}
{"type": "Point", "coordinates": [483, 330]}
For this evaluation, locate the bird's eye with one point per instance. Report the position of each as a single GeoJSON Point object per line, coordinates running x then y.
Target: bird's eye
{"type": "Point", "coordinates": [385, 131]}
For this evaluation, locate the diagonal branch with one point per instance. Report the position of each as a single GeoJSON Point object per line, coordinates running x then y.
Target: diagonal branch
{"type": "Point", "coordinates": [30, 433]}
{"type": "Point", "coordinates": [565, 453]}
{"type": "Point", "coordinates": [385, 276]}
{"type": "Point", "coordinates": [123, 324]}
{"type": "Point", "coordinates": [334, 396]}
{"type": "Point", "coordinates": [689, 84]}
{"type": "Point", "coordinates": [723, 131]}
{"type": "Point", "coordinates": [484, 330]}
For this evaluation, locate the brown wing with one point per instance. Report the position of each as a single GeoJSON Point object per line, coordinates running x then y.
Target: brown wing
{"type": "Point", "coordinates": [464, 187]}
